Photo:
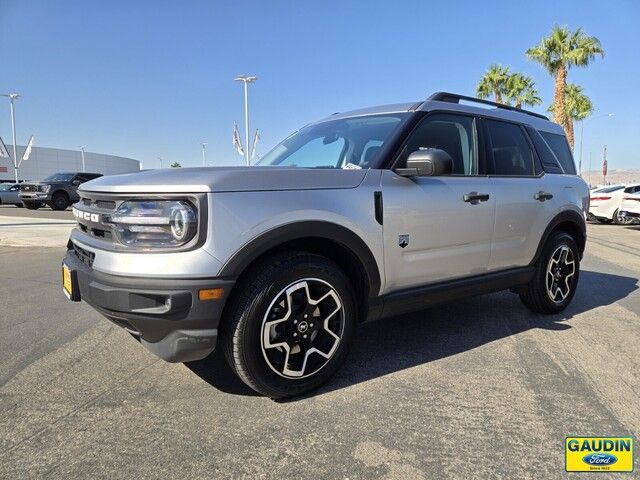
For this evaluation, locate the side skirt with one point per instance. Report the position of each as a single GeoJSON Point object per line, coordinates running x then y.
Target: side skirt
{"type": "Point", "coordinates": [414, 299]}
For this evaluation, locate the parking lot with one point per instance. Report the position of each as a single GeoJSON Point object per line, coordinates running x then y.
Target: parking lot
{"type": "Point", "coordinates": [477, 389]}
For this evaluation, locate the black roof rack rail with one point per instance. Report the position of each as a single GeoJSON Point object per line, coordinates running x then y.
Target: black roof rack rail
{"type": "Point", "coordinates": [455, 98]}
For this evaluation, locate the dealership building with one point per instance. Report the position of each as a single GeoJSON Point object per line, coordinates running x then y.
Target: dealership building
{"type": "Point", "coordinates": [45, 161]}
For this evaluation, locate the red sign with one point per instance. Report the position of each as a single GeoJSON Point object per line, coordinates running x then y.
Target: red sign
{"type": "Point", "coordinates": [3, 169]}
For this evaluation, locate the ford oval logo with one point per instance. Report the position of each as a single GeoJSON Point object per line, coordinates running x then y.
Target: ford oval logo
{"type": "Point", "coordinates": [599, 459]}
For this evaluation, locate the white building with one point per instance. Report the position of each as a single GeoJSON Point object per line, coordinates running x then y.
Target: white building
{"type": "Point", "coordinates": [44, 161]}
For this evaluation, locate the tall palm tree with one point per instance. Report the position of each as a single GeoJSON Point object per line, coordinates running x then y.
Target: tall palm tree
{"type": "Point", "coordinates": [558, 52]}
{"type": "Point", "coordinates": [522, 90]}
{"type": "Point", "coordinates": [577, 107]}
{"type": "Point", "coordinates": [493, 82]}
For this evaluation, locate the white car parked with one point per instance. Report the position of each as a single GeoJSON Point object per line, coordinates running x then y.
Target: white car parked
{"type": "Point", "coordinates": [605, 203]}
{"type": "Point", "coordinates": [630, 206]}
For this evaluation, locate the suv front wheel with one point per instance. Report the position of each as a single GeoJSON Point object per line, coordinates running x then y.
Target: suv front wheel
{"type": "Point", "coordinates": [290, 324]}
{"type": "Point", "coordinates": [59, 201]}
{"type": "Point", "coordinates": [556, 276]}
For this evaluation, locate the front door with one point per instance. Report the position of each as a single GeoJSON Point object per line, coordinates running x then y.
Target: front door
{"type": "Point", "coordinates": [438, 228]}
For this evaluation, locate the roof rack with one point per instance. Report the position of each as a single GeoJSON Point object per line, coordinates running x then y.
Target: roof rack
{"type": "Point", "coordinates": [455, 98]}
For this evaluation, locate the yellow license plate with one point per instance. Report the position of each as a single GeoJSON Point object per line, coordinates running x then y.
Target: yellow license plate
{"type": "Point", "coordinates": [67, 284]}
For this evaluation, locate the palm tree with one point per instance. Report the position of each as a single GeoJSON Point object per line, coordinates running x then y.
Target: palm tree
{"type": "Point", "coordinates": [577, 107]}
{"type": "Point", "coordinates": [522, 90]}
{"type": "Point", "coordinates": [176, 165]}
{"type": "Point", "coordinates": [494, 82]}
{"type": "Point", "coordinates": [558, 52]}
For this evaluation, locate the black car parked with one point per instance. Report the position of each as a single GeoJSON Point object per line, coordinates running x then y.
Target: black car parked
{"type": "Point", "coordinates": [58, 190]}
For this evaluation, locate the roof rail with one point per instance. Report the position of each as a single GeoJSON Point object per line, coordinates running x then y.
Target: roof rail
{"type": "Point", "coordinates": [455, 98]}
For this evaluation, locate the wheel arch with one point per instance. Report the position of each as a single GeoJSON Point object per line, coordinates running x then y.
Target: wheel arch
{"type": "Point", "coordinates": [568, 221]}
{"type": "Point", "coordinates": [327, 239]}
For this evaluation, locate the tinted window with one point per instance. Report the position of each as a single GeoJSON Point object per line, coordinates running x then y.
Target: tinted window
{"type": "Point", "coordinates": [512, 154]}
{"type": "Point", "coordinates": [632, 189]}
{"type": "Point", "coordinates": [546, 156]}
{"type": "Point", "coordinates": [59, 177]}
{"type": "Point", "coordinates": [611, 189]}
{"type": "Point", "coordinates": [560, 148]}
{"type": "Point", "coordinates": [451, 133]}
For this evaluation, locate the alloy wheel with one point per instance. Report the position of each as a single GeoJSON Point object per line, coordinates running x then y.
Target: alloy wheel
{"type": "Point", "coordinates": [302, 328]}
{"type": "Point", "coordinates": [560, 271]}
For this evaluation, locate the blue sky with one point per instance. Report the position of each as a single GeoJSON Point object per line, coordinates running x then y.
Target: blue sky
{"type": "Point", "coordinates": [149, 78]}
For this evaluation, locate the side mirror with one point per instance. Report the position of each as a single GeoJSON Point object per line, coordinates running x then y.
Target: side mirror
{"type": "Point", "coordinates": [76, 182]}
{"type": "Point", "coordinates": [431, 162]}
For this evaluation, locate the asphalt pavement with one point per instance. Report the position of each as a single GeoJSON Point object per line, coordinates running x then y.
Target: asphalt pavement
{"type": "Point", "coordinates": [477, 389]}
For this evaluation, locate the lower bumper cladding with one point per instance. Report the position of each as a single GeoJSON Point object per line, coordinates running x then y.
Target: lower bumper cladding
{"type": "Point", "coordinates": [170, 316]}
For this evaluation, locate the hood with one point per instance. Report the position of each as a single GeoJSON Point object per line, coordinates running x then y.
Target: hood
{"type": "Point", "coordinates": [226, 179]}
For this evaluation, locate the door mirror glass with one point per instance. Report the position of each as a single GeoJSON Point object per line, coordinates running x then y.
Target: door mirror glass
{"type": "Point", "coordinates": [431, 162]}
{"type": "Point", "coordinates": [76, 182]}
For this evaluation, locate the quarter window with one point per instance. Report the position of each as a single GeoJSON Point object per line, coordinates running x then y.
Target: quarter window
{"type": "Point", "coordinates": [560, 148]}
{"type": "Point", "coordinates": [512, 154]}
{"type": "Point", "coordinates": [452, 133]}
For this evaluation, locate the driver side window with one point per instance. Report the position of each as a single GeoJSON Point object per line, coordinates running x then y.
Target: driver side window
{"type": "Point", "coordinates": [452, 133]}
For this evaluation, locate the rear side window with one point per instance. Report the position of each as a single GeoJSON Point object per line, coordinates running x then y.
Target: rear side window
{"type": "Point", "coordinates": [632, 189]}
{"type": "Point", "coordinates": [560, 147]}
{"type": "Point", "coordinates": [512, 154]}
{"type": "Point", "coordinates": [549, 161]}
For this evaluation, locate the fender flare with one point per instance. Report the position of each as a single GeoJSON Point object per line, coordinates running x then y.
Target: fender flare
{"type": "Point", "coordinates": [261, 244]}
{"type": "Point", "coordinates": [563, 217]}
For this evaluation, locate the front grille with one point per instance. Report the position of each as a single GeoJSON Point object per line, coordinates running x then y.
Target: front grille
{"type": "Point", "coordinates": [102, 205]}
{"type": "Point", "coordinates": [83, 255]}
{"type": "Point", "coordinates": [29, 188]}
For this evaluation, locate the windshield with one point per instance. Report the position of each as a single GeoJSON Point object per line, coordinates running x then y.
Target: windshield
{"type": "Point", "coordinates": [60, 177]}
{"type": "Point", "coordinates": [5, 186]}
{"type": "Point", "coordinates": [350, 143]}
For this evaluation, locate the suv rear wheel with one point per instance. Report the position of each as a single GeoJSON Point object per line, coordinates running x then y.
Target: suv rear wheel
{"type": "Point", "coordinates": [291, 324]}
{"type": "Point", "coordinates": [59, 201]}
{"type": "Point", "coordinates": [556, 276]}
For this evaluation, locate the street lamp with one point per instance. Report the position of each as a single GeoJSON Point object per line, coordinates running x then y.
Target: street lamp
{"type": "Point", "coordinates": [582, 134]}
{"type": "Point", "coordinates": [12, 97]}
{"type": "Point", "coordinates": [82, 147]}
{"type": "Point", "coordinates": [246, 79]}
{"type": "Point", "coordinates": [161, 159]}
{"type": "Point", "coordinates": [204, 144]}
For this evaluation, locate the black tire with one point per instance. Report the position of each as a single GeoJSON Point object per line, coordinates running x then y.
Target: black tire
{"type": "Point", "coordinates": [256, 297]}
{"type": "Point", "coordinates": [604, 220]}
{"type": "Point", "coordinates": [59, 201]}
{"type": "Point", "coordinates": [31, 206]}
{"type": "Point", "coordinates": [535, 295]}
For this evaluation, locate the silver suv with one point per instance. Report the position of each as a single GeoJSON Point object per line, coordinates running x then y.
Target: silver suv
{"type": "Point", "coordinates": [363, 215]}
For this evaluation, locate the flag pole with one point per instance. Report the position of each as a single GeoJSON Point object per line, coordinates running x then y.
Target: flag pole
{"type": "Point", "coordinates": [246, 79]}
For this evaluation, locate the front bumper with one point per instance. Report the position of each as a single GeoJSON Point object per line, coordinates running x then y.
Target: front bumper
{"type": "Point", "coordinates": [166, 314]}
{"type": "Point", "coordinates": [34, 197]}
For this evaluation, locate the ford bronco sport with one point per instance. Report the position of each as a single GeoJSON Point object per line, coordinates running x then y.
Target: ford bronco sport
{"type": "Point", "coordinates": [362, 215]}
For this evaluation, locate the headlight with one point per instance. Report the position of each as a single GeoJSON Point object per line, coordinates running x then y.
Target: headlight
{"type": "Point", "coordinates": [155, 223]}
{"type": "Point", "coordinates": [45, 188]}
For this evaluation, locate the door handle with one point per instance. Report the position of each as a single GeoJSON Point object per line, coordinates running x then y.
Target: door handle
{"type": "Point", "coordinates": [542, 196]}
{"type": "Point", "coordinates": [474, 197]}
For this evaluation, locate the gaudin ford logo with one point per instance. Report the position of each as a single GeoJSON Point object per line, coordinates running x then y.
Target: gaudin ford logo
{"type": "Point", "coordinates": [599, 454]}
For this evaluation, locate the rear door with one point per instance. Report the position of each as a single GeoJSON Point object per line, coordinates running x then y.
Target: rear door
{"type": "Point", "coordinates": [525, 199]}
{"type": "Point", "coordinates": [433, 230]}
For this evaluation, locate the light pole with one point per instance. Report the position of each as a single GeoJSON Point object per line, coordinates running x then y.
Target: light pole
{"type": "Point", "coordinates": [161, 159]}
{"type": "Point", "coordinates": [246, 79]}
{"type": "Point", "coordinates": [204, 144]}
{"type": "Point", "coordinates": [82, 147]}
{"type": "Point", "coordinates": [582, 135]}
{"type": "Point", "coordinates": [12, 97]}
